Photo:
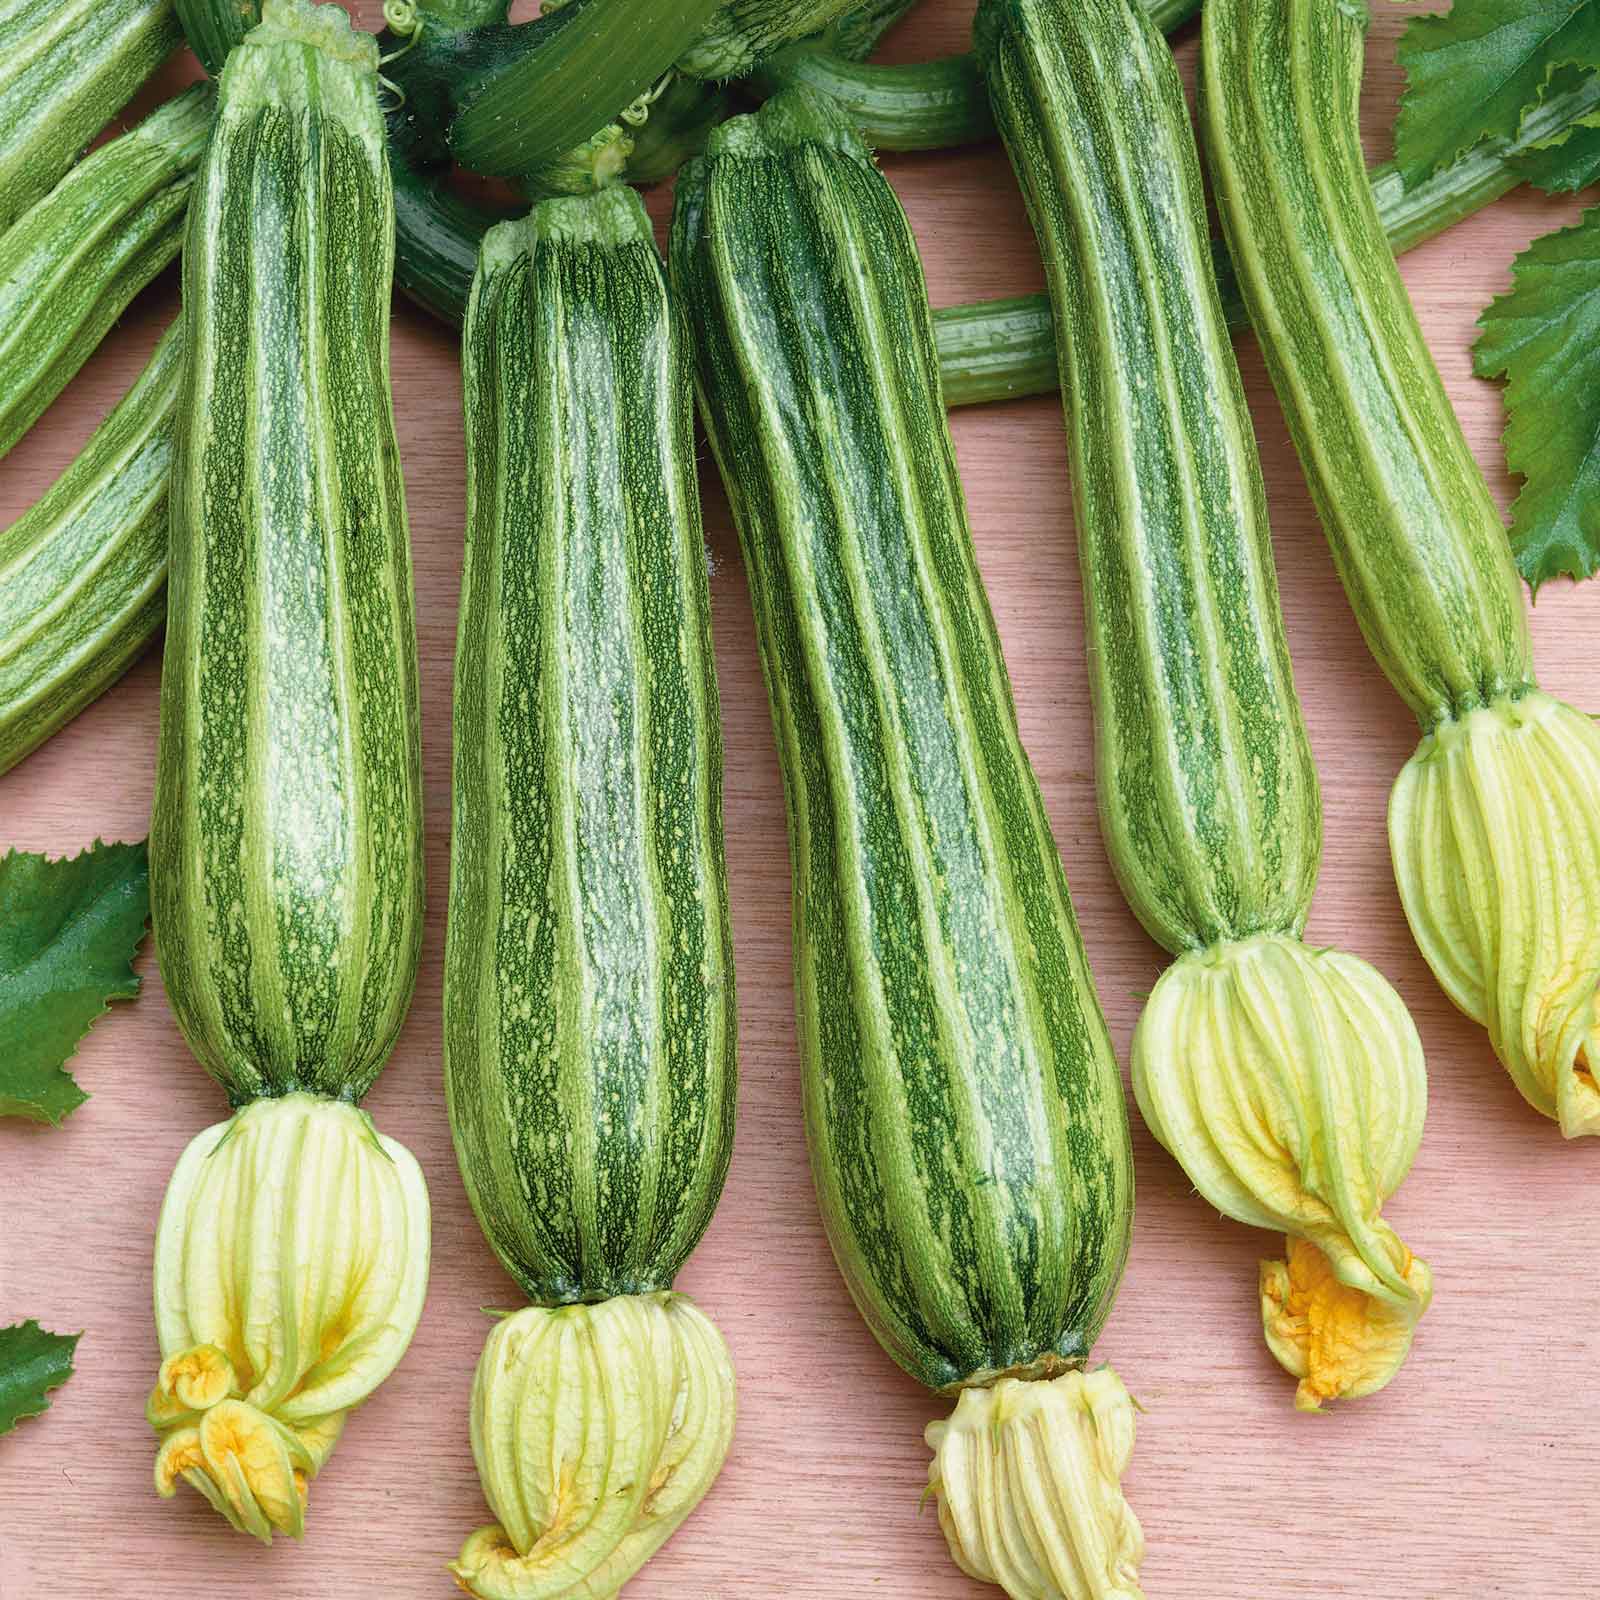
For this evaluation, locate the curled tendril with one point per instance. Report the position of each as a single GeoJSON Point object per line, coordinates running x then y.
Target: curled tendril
{"type": "Point", "coordinates": [402, 17]}
{"type": "Point", "coordinates": [638, 113]}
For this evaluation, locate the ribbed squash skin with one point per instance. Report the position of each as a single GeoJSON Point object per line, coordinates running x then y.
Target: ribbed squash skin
{"type": "Point", "coordinates": [83, 572]}
{"type": "Point", "coordinates": [1208, 794]}
{"type": "Point", "coordinates": [286, 844]}
{"type": "Point", "coordinates": [66, 68]}
{"type": "Point", "coordinates": [590, 1027]}
{"type": "Point", "coordinates": [72, 262]}
{"type": "Point", "coordinates": [1416, 537]}
{"type": "Point", "coordinates": [966, 1121]}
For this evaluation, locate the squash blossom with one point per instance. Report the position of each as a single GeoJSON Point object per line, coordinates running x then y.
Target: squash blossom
{"type": "Point", "coordinates": [291, 1263]}
{"type": "Point", "coordinates": [1019, 1445]}
{"type": "Point", "coordinates": [1494, 826]}
{"type": "Point", "coordinates": [596, 1429]}
{"type": "Point", "coordinates": [1289, 1084]}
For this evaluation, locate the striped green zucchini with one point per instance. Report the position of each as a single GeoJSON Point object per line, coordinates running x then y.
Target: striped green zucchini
{"type": "Point", "coordinates": [286, 845]}
{"type": "Point", "coordinates": [1288, 1081]}
{"type": "Point", "coordinates": [72, 262]}
{"type": "Point", "coordinates": [965, 1115]}
{"type": "Point", "coordinates": [83, 572]}
{"type": "Point", "coordinates": [588, 773]}
{"type": "Point", "coordinates": [1495, 840]}
{"type": "Point", "coordinates": [286, 877]}
{"type": "Point", "coordinates": [1208, 795]}
{"type": "Point", "coordinates": [66, 68]}
{"type": "Point", "coordinates": [589, 1018]}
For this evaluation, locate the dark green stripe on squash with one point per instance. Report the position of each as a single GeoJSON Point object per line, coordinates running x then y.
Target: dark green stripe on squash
{"type": "Point", "coordinates": [590, 1026]}
{"type": "Point", "coordinates": [966, 1120]}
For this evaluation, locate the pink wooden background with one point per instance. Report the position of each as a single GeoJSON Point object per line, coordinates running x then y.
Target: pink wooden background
{"type": "Point", "coordinates": [1472, 1475]}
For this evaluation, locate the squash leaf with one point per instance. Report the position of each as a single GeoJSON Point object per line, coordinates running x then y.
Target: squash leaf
{"type": "Point", "coordinates": [69, 930]}
{"type": "Point", "coordinates": [1543, 337]}
{"type": "Point", "coordinates": [1473, 72]}
{"type": "Point", "coordinates": [32, 1362]}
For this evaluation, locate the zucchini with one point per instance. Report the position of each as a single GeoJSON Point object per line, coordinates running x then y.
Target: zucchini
{"type": "Point", "coordinates": [289, 786]}
{"type": "Point", "coordinates": [963, 1106]}
{"type": "Point", "coordinates": [66, 68]}
{"type": "Point", "coordinates": [72, 262]}
{"type": "Point", "coordinates": [589, 1018]}
{"type": "Point", "coordinates": [286, 841]}
{"type": "Point", "coordinates": [1289, 1082]}
{"type": "Point", "coordinates": [83, 572]}
{"type": "Point", "coordinates": [1496, 848]}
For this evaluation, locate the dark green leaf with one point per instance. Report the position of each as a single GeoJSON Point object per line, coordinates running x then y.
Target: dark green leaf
{"type": "Point", "coordinates": [1473, 72]}
{"type": "Point", "coordinates": [32, 1362]}
{"type": "Point", "coordinates": [69, 930]}
{"type": "Point", "coordinates": [1571, 160]}
{"type": "Point", "coordinates": [1544, 339]}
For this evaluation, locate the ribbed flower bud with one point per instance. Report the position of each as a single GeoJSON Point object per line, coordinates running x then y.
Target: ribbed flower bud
{"type": "Point", "coordinates": [291, 1264]}
{"type": "Point", "coordinates": [1494, 826]}
{"type": "Point", "coordinates": [1028, 1476]}
{"type": "Point", "coordinates": [1289, 1084]}
{"type": "Point", "coordinates": [596, 1429]}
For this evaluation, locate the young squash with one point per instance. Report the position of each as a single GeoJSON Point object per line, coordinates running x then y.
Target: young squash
{"type": "Point", "coordinates": [1492, 825]}
{"type": "Point", "coordinates": [1288, 1081]}
{"type": "Point", "coordinates": [286, 842]}
{"type": "Point", "coordinates": [83, 572]}
{"type": "Point", "coordinates": [963, 1105]}
{"type": "Point", "coordinates": [66, 68]}
{"type": "Point", "coordinates": [590, 1026]}
{"type": "Point", "coordinates": [72, 262]}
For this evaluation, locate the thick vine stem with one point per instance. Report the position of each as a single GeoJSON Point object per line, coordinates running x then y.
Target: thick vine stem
{"type": "Point", "coordinates": [596, 1430]}
{"type": "Point", "coordinates": [1027, 1475]}
{"type": "Point", "coordinates": [1289, 1084]}
{"type": "Point", "coordinates": [291, 1263]}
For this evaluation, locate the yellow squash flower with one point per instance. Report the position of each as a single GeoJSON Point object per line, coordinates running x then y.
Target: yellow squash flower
{"type": "Point", "coordinates": [1028, 1477]}
{"type": "Point", "coordinates": [596, 1429]}
{"type": "Point", "coordinates": [1289, 1083]}
{"type": "Point", "coordinates": [291, 1263]}
{"type": "Point", "coordinates": [1494, 826]}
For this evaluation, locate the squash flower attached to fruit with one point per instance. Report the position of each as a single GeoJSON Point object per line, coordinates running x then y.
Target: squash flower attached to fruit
{"type": "Point", "coordinates": [286, 876]}
{"type": "Point", "coordinates": [1494, 823]}
{"type": "Point", "coordinates": [590, 1031]}
{"type": "Point", "coordinates": [291, 1264]}
{"type": "Point", "coordinates": [1288, 1081]}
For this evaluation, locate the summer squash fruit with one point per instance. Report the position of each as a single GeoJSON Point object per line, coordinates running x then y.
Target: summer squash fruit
{"type": "Point", "coordinates": [963, 1107]}
{"type": "Point", "coordinates": [590, 1026]}
{"type": "Point", "coordinates": [1288, 1080]}
{"type": "Point", "coordinates": [70, 264]}
{"type": "Point", "coordinates": [286, 843]}
{"type": "Point", "coordinates": [66, 68]}
{"type": "Point", "coordinates": [1493, 827]}
{"type": "Point", "coordinates": [83, 572]}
